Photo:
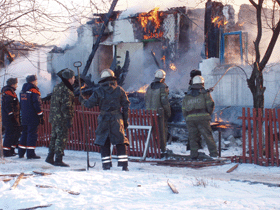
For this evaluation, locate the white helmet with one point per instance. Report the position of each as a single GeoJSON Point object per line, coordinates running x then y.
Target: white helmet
{"type": "Point", "coordinates": [160, 74]}
{"type": "Point", "coordinates": [107, 73]}
{"type": "Point", "coordinates": [198, 80]}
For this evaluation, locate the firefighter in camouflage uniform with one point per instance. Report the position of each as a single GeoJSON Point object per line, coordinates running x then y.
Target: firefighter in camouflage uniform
{"type": "Point", "coordinates": [156, 99]}
{"type": "Point", "coordinates": [197, 108]}
{"type": "Point", "coordinates": [10, 117]}
{"type": "Point", "coordinates": [61, 116]}
{"type": "Point", "coordinates": [113, 119]}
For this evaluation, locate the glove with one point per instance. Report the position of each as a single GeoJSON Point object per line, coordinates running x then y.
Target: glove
{"type": "Point", "coordinates": [126, 124]}
{"type": "Point", "coordinates": [81, 98]}
{"type": "Point", "coordinates": [211, 89]}
{"type": "Point", "coordinates": [69, 124]}
{"type": "Point", "coordinates": [41, 119]}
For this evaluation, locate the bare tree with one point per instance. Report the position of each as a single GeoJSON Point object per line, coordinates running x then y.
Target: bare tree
{"type": "Point", "coordinates": [255, 82]}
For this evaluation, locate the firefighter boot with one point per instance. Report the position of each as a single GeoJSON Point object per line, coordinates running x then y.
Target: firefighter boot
{"type": "Point", "coordinates": [58, 161]}
{"type": "Point", "coordinates": [49, 158]}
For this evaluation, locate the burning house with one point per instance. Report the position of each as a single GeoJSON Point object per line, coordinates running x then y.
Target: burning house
{"type": "Point", "coordinates": [154, 39]}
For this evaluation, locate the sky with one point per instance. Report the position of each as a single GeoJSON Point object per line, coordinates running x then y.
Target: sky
{"type": "Point", "coordinates": [144, 186]}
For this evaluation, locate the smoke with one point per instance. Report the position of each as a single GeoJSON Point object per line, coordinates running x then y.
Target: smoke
{"type": "Point", "coordinates": [132, 7]}
{"type": "Point", "coordinates": [34, 63]}
{"type": "Point", "coordinates": [247, 17]}
{"type": "Point", "coordinates": [177, 81]}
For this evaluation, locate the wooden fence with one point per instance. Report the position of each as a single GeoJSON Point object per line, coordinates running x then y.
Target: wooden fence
{"type": "Point", "coordinates": [260, 134]}
{"type": "Point", "coordinates": [77, 134]}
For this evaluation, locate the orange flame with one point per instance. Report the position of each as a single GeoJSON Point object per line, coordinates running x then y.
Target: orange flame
{"type": "Point", "coordinates": [163, 58]}
{"type": "Point", "coordinates": [153, 17]}
{"type": "Point", "coordinates": [219, 21]}
{"type": "Point", "coordinates": [241, 24]}
{"type": "Point", "coordinates": [143, 89]}
{"type": "Point", "coordinates": [172, 67]}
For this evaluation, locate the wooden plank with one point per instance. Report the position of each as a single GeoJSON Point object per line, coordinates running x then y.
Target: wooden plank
{"type": "Point", "coordinates": [172, 187]}
{"type": "Point", "coordinates": [37, 207]}
{"type": "Point", "coordinates": [17, 181]}
{"type": "Point", "coordinates": [69, 191]}
{"type": "Point", "coordinates": [249, 135]}
{"type": "Point", "coordinates": [260, 133]}
{"type": "Point", "coordinates": [232, 168]}
{"type": "Point", "coordinates": [255, 136]}
{"type": "Point", "coordinates": [244, 135]}
{"type": "Point", "coordinates": [271, 149]}
{"type": "Point", "coordinates": [41, 173]}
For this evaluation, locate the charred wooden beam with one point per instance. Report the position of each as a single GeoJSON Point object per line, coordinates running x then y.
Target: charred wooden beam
{"type": "Point", "coordinates": [96, 45]}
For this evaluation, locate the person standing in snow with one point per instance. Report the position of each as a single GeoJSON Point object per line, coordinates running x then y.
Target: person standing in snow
{"type": "Point", "coordinates": [156, 98]}
{"type": "Point", "coordinates": [10, 117]}
{"type": "Point", "coordinates": [31, 116]}
{"type": "Point", "coordinates": [61, 116]}
{"type": "Point", "coordinates": [113, 119]}
{"type": "Point", "coordinates": [197, 108]}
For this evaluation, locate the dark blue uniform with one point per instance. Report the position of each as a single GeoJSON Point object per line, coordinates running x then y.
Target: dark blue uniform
{"type": "Point", "coordinates": [31, 113]}
{"type": "Point", "coordinates": [10, 120]}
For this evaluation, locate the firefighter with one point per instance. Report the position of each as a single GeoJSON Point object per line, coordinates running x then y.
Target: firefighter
{"type": "Point", "coordinates": [197, 108]}
{"type": "Point", "coordinates": [194, 73]}
{"type": "Point", "coordinates": [156, 98]}
{"type": "Point", "coordinates": [31, 116]}
{"type": "Point", "coordinates": [113, 119]}
{"type": "Point", "coordinates": [10, 117]}
{"type": "Point", "coordinates": [61, 116]}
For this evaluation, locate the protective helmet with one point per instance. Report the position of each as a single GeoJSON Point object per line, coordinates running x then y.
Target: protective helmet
{"type": "Point", "coordinates": [160, 74]}
{"type": "Point", "coordinates": [198, 80]}
{"type": "Point", "coordinates": [107, 73]}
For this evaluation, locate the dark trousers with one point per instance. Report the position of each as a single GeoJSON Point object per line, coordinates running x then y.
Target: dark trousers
{"type": "Point", "coordinates": [106, 154]}
{"type": "Point", "coordinates": [12, 134]}
{"type": "Point", "coordinates": [28, 140]}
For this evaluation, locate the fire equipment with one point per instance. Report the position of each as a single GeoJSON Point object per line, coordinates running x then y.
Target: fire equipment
{"type": "Point", "coordinates": [78, 64]}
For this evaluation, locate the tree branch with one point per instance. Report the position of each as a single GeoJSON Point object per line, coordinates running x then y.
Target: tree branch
{"type": "Point", "coordinates": [271, 46]}
{"type": "Point", "coordinates": [253, 3]}
{"type": "Point", "coordinates": [17, 17]}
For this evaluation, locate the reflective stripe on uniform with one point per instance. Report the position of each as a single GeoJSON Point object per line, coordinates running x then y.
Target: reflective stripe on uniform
{"type": "Point", "coordinates": [30, 147]}
{"type": "Point", "coordinates": [21, 146]}
{"type": "Point", "coordinates": [122, 158]}
{"type": "Point", "coordinates": [198, 115]}
{"type": "Point", "coordinates": [106, 159]}
{"type": "Point", "coordinates": [6, 148]}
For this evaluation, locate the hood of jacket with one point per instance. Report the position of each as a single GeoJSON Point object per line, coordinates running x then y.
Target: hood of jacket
{"type": "Point", "coordinates": [156, 84]}
{"type": "Point", "coordinates": [195, 90]}
{"type": "Point", "coordinates": [27, 86]}
{"type": "Point", "coordinates": [7, 87]}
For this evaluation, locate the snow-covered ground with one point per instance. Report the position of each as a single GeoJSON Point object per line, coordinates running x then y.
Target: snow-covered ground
{"type": "Point", "coordinates": [143, 187]}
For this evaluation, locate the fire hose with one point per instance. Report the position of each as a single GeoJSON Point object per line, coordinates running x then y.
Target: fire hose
{"type": "Point", "coordinates": [78, 64]}
{"type": "Point", "coordinates": [212, 88]}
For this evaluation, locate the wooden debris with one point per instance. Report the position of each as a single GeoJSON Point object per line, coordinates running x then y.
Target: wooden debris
{"type": "Point", "coordinates": [69, 191]}
{"type": "Point", "coordinates": [6, 180]}
{"type": "Point", "coordinates": [172, 187]}
{"type": "Point", "coordinates": [36, 207]}
{"type": "Point", "coordinates": [191, 164]}
{"type": "Point", "coordinates": [15, 175]}
{"type": "Point", "coordinates": [232, 168]}
{"type": "Point", "coordinates": [78, 169]}
{"type": "Point", "coordinates": [255, 182]}
{"type": "Point", "coordinates": [41, 173]}
{"type": "Point", "coordinates": [17, 181]}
